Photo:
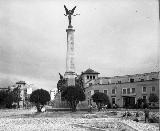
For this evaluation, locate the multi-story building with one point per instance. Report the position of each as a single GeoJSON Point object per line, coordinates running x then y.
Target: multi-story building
{"type": "Point", "coordinates": [53, 93]}
{"type": "Point", "coordinates": [121, 90]}
{"type": "Point", "coordinates": [88, 77]}
{"type": "Point", "coordinates": [24, 91]}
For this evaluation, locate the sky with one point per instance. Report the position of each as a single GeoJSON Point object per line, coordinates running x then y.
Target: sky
{"type": "Point", "coordinates": [111, 37]}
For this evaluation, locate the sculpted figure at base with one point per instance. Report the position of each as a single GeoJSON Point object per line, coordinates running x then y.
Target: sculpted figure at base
{"type": "Point", "coordinates": [62, 83]}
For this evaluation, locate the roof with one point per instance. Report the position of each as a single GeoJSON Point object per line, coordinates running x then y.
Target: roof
{"type": "Point", "coordinates": [21, 82]}
{"type": "Point", "coordinates": [4, 88]}
{"type": "Point", "coordinates": [104, 77]}
{"type": "Point", "coordinates": [90, 71]}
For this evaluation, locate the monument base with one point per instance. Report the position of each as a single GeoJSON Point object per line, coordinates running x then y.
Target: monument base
{"type": "Point", "coordinates": [58, 103]}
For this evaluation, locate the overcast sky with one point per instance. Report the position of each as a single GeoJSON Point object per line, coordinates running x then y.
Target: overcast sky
{"type": "Point", "coordinates": [113, 37]}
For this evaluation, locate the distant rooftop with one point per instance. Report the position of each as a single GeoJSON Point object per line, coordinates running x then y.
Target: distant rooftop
{"type": "Point", "coordinates": [104, 77]}
{"type": "Point", "coordinates": [21, 82]}
{"type": "Point", "coordinates": [129, 76]}
{"type": "Point", "coordinates": [90, 71]}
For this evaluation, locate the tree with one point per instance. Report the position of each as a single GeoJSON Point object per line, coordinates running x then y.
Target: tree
{"type": "Point", "coordinates": [6, 98]}
{"type": "Point", "coordinates": [153, 98]}
{"type": "Point", "coordinates": [139, 102]}
{"type": "Point", "coordinates": [79, 82]}
{"type": "Point", "coordinates": [100, 98]}
{"type": "Point", "coordinates": [9, 99]}
{"type": "Point", "coordinates": [73, 94]}
{"type": "Point", "coordinates": [3, 94]}
{"type": "Point", "coordinates": [39, 97]}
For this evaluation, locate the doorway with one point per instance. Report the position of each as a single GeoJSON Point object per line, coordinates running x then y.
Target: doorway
{"type": "Point", "coordinates": [128, 102]}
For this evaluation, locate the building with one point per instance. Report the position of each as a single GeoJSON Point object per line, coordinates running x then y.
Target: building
{"type": "Point", "coordinates": [24, 91]}
{"type": "Point", "coordinates": [88, 77]}
{"type": "Point", "coordinates": [53, 93]}
{"type": "Point", "coordinates": [5, 88]}
{"type": "Point", "coordinates": [122, 90]}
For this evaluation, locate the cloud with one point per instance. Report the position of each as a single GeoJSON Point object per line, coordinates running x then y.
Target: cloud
{"type": "Point", "coordinates": [113, 38]}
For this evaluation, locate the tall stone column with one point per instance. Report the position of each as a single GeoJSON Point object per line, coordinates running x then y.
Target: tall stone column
{"type": "Point", "coordinates": [70, 65]}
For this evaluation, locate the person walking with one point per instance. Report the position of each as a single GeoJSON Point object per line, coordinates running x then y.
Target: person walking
{"type": "Point", "coordinates": [90, 108]}
{"type": "Point", "coordinates": [146, 113]}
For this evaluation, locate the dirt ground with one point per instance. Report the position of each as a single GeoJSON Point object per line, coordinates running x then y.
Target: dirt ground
{"type": "Point", "coordinates": [29, 120]}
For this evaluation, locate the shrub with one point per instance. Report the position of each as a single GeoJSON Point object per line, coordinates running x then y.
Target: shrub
{"type": "Point", "coordinates": [134, 106]}
{"type": "Point", "coordinates": [139, 102]}
{"type": "Point", "coordinates": [145, 105]}
{"type": "Point", "coordinates": [109, 105]}
{"type": "Point", "coordinates": [100, 99]}
{"type": "Point", "coordinates": [153, 98]}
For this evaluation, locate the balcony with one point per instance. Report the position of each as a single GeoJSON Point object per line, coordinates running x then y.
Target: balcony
{"type": "Point", "coordinates": [130, 94]}
{"type": "Point", "coordinates": [144, 92]}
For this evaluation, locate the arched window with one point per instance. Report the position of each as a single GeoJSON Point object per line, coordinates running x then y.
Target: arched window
{"type": "Point", "coordinates": [87, 77]}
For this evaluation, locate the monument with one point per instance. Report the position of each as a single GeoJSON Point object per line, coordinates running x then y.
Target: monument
{"type": "Point", "coordinates": [70, 64]}
{"type": "Point", "coordinates": [69, 76]}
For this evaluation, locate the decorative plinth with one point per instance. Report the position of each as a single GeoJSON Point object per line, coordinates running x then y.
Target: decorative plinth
{"type": "Point", "coordinates": [70, 26]}
{"type": "Point", "coordinates": [58, 103]}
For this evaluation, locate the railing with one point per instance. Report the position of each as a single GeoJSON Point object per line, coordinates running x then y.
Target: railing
{"type": "Point", "coordinates": [130, 94]}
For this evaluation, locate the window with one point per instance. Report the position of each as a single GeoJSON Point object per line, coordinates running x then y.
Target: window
{"type": "Point", "coordinates": [119, 82]}
{"type": "Point", "coordinates": [144, 97]}
{"type": "Point", "coordinates": [88, 102]}
{"type": "Point", "coordinates": [153, 89]}
{"type": "Point", "coordinates": [87, 77]}
{"type": "Point", "coordinates": [113, 100]}
{"type": "Point", "coordinates": [133, 90]}
{"type": "Point", "coordinates": [128, 90]}
{"type": "Point", "coordinates": [93, 77]}
{"type": "Point", "coordinates": [105, 92]}
{"type": "Point", "coordinates": [90, 84]}
{"type": "Point", "coordinates": [96, 91]}
{"type": "Point", "coordinates": [100, 81]}
{"type": "Point", "coordinates": [147, 77]}
{"type": "Point", "coordinates": [90, 77]}
{"type": "Point", "coordinates": [131, 80]}
{"type": "Point", "coordinates": [124, 91]}
{"type": "Point", "coordinates": [142, 79]}
{"type": "Point", "coordinates": [113, 91]}
{"type": "Point", "coordinates": [153, 78]}
{"type": "Point", "coordinates": [144, 89]}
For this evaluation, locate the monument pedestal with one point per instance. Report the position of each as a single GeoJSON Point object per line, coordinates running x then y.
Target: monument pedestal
{"type": "Point", "coordinates": [70, 65]}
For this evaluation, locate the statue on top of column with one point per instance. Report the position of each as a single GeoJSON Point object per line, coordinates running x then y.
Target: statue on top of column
{"type": "Point", "coordinates": [69, 13]}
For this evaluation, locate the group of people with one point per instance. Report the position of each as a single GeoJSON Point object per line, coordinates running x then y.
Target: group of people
{"type": "Point", "coordinates": [146, 111]}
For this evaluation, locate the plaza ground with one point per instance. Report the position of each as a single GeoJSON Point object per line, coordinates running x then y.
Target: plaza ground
{"type": "Point", "coordinates": [29, 120]}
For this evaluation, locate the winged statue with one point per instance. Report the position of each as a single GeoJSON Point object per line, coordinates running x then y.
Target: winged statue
{"type": "Point", "coordinates": [69, 13]}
